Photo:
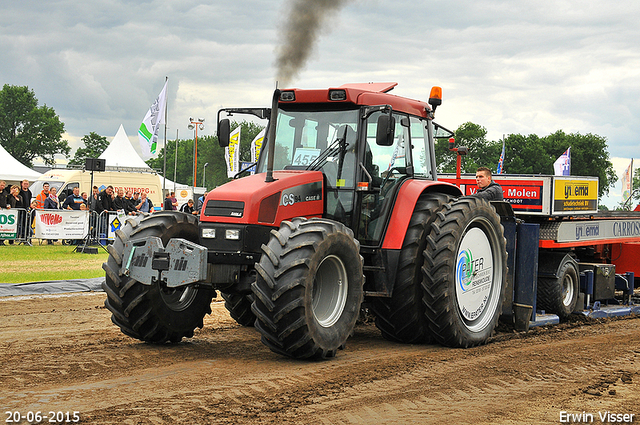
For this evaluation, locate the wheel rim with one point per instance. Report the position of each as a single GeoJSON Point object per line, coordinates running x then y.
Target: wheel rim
{"type": "Point", "coordinates": [567, 290]}
{"type": "Point", "coordinates": [330, 288]}
{"type": "Point", "coordinates": [178, 299]}
{"type": "Point", "coordinates": [478, 277]}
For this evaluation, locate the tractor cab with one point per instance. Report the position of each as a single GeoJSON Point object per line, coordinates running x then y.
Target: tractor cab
{"type": "Point", "coordinates": [364, 152]}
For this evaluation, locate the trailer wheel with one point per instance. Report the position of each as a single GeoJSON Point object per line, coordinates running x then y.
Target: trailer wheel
{"type": "Point", "coordinates": [239, 307]}
{"type": "Point", "coordinates": [309, 288]}
{"type": "Point", "coordinates": [401, 317]}
{"type": "Point", "coordinates": [560, 295]}
{"type": "Point", "coordinates": [464, 272]}
{"type": "Point", "coordinates": [153, 313]}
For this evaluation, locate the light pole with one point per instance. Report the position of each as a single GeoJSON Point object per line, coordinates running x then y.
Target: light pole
{"type": "Point", "coordinates": [204, 174]}
{"type": "Point", "coordinates": [175, 163]}
{"type": "Point", "coordinates": [195, 124]}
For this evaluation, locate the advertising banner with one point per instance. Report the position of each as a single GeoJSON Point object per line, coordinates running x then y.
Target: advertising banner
{"type": "Point", "coordinates": [116, 221]}
{"type": "Point", "coordinates": [256, 146]}
{"type": "Point", "coordinates": [232, 153]}
{"type": "Point", "coordinates": [8, 224]}
{"type": "Point", "coordinates": [61, 224]}
{"type": "Point", "coordinates": [525, 194]}
{"type": "Point", "coordinates": [574, 194]}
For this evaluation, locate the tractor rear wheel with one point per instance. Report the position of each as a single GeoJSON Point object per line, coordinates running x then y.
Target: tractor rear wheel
{"type": "Point", "coordinates": [153, 313]}
{"type": "Point", "coordinates": [239, 307]}
{"type": "Point", "coordinates": [464, 273]}
{"type": "Point", "coordinates": [401, 317]}
{"type": "Point", "coordinates": [309, 288]}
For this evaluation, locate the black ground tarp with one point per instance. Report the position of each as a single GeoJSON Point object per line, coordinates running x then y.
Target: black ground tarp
{"type": "Point", "coordinates": [51, 287]}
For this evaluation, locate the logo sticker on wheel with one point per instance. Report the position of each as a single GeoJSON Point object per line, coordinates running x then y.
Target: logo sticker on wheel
{"type": "Point", "coordinates": [474, 274]}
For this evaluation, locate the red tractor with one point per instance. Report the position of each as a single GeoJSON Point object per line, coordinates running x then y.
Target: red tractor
{"type": "Point", "coordinates": [344, 208]}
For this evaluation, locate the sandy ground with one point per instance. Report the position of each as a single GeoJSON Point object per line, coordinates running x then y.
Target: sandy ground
{"type": "Point", "coordinates": [62, 354]}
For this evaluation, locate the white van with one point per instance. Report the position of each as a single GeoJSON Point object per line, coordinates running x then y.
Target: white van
{"type": "Point", "coordinates": [65, 180]}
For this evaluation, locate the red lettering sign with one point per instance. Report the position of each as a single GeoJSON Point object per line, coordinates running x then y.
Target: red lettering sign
{"type": "Point", "coordinates": [51, 219]}
{"type": "Point", "coordinates": [521, 192]}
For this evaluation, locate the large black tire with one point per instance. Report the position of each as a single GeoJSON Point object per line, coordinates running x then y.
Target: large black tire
{"type": "Point", "coordinates": [464, 273]}
{"type": "Point", "coordinates": [401, 317]}
{"type": "Point", "coordinates": [559, 295]}
{"type": "Point", "coordinates": [152, 313]}
{"type": "Point", "coordinates": [239, 307]}
{"type": "Point", "coordinates": [309, 288]}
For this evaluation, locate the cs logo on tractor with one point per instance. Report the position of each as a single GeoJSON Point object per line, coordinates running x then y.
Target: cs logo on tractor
{"type": "Point", "coordinates": [290, 199]}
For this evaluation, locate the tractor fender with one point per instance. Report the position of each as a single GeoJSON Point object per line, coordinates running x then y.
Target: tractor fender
{"type": "Point", "coordinates": [405, 202]}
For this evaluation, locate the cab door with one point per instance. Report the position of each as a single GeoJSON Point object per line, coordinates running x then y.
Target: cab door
{"type": "Point", "coordinates": [386, 167]}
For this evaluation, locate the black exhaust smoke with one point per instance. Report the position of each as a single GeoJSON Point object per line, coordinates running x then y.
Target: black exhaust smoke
{"type": "Point", "coordinates": [302, 27]}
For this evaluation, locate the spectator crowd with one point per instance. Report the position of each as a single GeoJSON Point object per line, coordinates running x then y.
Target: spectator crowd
{"type": "Point", "coordinates": [131, 203]}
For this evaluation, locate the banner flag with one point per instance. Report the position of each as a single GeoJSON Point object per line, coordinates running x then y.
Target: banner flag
{"type": "Point", "coordinates": [232, 153]}
{"type": "Point", "coordinates": [562, 166]}
{"type": "Point", "coordinates": [256, 146]}
{"type": "Point", "coordinates": [500, 169]}
{"type": "Point", "coordinates": [627, 179]}
{"type": "Point", "coordinates": [398, 151]}
{"type": "Point", "coordinates": [148, 132]}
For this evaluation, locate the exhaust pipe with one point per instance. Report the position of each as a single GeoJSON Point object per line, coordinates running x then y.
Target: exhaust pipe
{"type": "Point", "coordinates": [271, 135]}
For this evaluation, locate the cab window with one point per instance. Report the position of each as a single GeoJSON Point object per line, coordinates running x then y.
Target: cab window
{"type": "Point", "coordinates": [420, 149]}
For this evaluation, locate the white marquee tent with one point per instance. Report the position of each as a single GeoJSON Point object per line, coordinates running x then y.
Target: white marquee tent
{"type": "Point", "coordinates": [13, 171]}
{"type": "Point", "coordinates": [120, 152]}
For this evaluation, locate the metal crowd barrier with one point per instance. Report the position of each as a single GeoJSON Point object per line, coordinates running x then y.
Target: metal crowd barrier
{"type": "Point", "coordinates": [21, 220]}
{"type": "Point", "coordinates": [101, 229]}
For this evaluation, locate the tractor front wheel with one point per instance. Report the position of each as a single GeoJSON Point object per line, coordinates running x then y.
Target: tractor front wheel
{"type": "Point", "coordinates": [154, 313]}
{"type": "Point", "coordinates": [309, 288]}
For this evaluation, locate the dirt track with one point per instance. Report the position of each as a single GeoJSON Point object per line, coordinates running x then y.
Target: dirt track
{"type": "Point", "coordinates": [61, 353]}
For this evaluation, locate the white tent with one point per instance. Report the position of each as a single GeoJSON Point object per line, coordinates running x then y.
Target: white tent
{"type": "Point", "coordinates": [12, 170]}
{"type": "Point", "coordinates": [120, 152]}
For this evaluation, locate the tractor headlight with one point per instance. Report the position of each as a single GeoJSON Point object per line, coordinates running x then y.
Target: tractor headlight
{"type": "Point", "coordinates": [209, 233]}
{"type": "Point", "coordinates": [232, 234]}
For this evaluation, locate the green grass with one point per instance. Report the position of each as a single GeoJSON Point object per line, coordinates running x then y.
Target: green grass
{"type": "Point", "coordinates": [48, 262]}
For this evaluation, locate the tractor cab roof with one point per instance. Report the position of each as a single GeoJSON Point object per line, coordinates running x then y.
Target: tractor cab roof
{"type": "Point", "coordinates": [360, 94]}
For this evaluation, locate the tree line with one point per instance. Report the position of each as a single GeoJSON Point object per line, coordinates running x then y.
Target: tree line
{"type": "Point", "coordinates": [28, 130]}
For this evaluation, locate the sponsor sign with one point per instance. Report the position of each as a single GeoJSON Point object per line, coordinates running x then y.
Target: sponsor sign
{"type": "Point", "coordinates": [116, 221]}
{"type": "Point", "coordinates": [245, 164]}
{"type": "Point", "coordinates": [526, 195]}
{"type": "Point", "coordinates": [61, 224]}
{"type": "Point", "coordinates": [131, 189]}
{"type": "Point", "coordinates": [8, 224]}
{"type": "Point", "coordinates": [575, 195]}
{"type": "Point", "coordinates": [474, 274]}
{"type": "Point", "coordinates": [598, 230]}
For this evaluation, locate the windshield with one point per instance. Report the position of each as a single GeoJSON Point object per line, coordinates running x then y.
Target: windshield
{"type": "Point", "coordinates": [316, 140]}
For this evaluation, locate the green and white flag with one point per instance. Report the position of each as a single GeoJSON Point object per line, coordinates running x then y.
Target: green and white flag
{"type": "Point", "coordinates": [148, 132]}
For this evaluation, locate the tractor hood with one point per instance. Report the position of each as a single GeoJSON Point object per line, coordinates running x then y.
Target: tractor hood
{"type": "Point", "coordinates": [251, 200]}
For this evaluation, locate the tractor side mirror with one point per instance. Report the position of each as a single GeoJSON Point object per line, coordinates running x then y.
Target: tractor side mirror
{"type": "Point", "coordinates": [385, 131]}
{"type": "Point", "coordinates": [224, 132]}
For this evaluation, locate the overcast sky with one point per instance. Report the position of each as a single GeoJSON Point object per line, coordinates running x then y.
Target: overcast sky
{"type": "Point", "coordinates": [511, 66]}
